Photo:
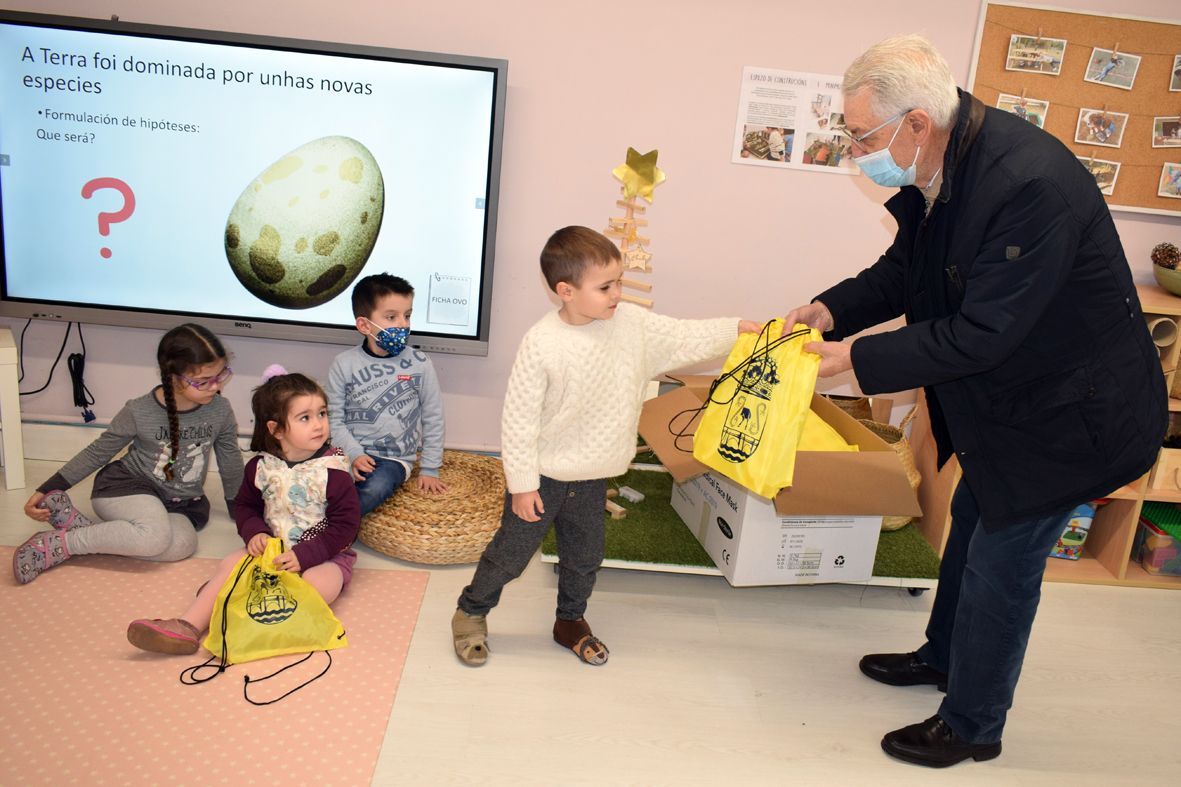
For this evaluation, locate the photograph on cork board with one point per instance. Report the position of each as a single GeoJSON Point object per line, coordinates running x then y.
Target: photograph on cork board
{"type": "Point", "coordinates": [1175, 79]}
{"type": "Point", "coordinates": [1111, 68]}
{"type": "Point", "coordinates": [1105, 172]}
{"type": "Point", "coordinates": [1035, 54]}
{"type": "Point", "coordinates": [1170, 180]}
{"type": "Point", "coordinates": [1032, 109]}
{"type": "Point", "coordinates": [1100, 127]}
{"type": "Point", "coordinates": [1166, 132]}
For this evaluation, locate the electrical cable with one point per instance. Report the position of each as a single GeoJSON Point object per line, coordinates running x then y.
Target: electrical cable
{"type": "Point", "coordinates": [76, 363]}
{"type": "Point", "coordinates": [61, 350]}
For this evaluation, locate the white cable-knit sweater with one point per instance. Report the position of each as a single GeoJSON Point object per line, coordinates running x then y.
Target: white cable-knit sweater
{"type": "Point", "coordinates": [574, 395]}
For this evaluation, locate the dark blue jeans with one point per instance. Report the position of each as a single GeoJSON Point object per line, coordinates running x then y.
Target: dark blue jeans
{"type": "Point", "coordinates": [989, 588]}
{"type": "Point", "coordinates": [387, 476]}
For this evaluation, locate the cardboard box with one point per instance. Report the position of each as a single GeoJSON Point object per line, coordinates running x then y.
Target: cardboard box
{"type": "Point", "coordinates": [824, 528]}
{"type": "Point", "coordinates": [752, 544]}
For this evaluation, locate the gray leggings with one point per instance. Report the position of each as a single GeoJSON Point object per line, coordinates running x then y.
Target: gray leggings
{"type": "Point", "coordinates": [577, 511]}
{"type": "Point", "coordinates": [135, 526]}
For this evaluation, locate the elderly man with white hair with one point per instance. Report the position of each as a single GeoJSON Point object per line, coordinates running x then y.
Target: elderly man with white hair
{"type": "Point", "coordinates": [1024, 330]}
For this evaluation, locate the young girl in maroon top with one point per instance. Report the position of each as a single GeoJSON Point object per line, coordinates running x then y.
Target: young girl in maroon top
{"type": "Point", "coordinates": [299, 488]}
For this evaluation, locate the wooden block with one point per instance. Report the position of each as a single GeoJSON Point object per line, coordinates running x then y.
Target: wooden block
{"type": "Point", "coordinates": [645, 302]}
{"type": "Point", "coordinates": [617, 511]}
{"type": "Point", "coordinates": [612, 492]}
{"type": "Point", "coordinates": [636, 285]}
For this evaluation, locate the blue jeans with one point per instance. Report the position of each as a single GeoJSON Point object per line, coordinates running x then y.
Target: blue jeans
{"type": "Point", "coordinates": [989, 588]}
{"type": "Point", "coordinates": [387, 476]}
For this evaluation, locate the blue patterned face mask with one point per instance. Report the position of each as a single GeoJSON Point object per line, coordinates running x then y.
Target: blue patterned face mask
{"type": "Point", "coordinates": [392, 340]}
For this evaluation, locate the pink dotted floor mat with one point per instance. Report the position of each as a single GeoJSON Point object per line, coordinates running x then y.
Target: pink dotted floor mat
{"type": "Point", "coordinates": [83, 706]}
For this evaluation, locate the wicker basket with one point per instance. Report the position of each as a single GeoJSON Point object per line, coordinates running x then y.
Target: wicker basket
{"type": "Point", "coordinates": [453, 527]}
{"type": "Point", "coordinates": [854, 406]}
{"type": "Point", "coordinates": [896, 437]}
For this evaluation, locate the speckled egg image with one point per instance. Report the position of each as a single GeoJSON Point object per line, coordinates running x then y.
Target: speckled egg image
{"type": "Point", "coordinates": [305, 226]}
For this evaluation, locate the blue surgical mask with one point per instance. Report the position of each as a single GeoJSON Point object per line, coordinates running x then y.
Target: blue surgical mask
{"type": "Point", "coordinates": [882, 169]}
{"type": "Point", "coordinates": [392, 340]}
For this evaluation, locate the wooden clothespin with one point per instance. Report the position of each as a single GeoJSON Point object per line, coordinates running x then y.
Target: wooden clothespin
{"type": "Point", "coordinates": [1091, 163]}
{"type": "Point", "coordinates": [1023, 94]}
{"type": "Point", "coordinates": [1104, 111]}
{"type": "Point", "coordinates": [1039, 37]}
{"type": "Point", "coordinates": [1115, 50]}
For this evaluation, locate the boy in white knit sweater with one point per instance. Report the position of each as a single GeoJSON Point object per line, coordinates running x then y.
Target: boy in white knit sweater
{"type": "Point", "coordinates": [569, 423]}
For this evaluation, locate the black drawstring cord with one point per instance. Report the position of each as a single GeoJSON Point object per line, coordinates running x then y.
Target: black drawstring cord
{"type": "Point", "coordinates": [189, 676]}
{"type": "Point", "coordinates": [248, 680]}
{"type": "Point", "coordinates": [679, 433]}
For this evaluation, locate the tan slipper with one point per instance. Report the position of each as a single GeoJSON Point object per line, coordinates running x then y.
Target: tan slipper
{"type": "Point", "coordinates": [470, 634]}
{"type": "Point", "coordinates": [576, 635]}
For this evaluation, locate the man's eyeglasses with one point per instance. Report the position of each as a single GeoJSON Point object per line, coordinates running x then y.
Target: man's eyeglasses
{"type": "Point", "coordinates": [220, 379]}
{"type": "Point", "coordinates": [859, 140]}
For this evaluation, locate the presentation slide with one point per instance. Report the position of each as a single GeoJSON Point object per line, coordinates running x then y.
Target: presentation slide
{"type": "Point", "coordinates": [224, 179]}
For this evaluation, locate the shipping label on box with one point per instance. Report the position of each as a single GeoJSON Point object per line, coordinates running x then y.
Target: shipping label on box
{"type": "Point", "coordinates": [752, 544]}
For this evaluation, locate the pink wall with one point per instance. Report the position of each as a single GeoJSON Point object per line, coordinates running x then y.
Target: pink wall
{"type": "Point", "coordinates": [586, 80]}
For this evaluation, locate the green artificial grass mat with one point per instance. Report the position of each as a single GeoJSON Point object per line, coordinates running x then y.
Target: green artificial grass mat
{"type": "Point", "coordinates": [905, 553]}
{"type": "Point", "coordinates": [652, 532]}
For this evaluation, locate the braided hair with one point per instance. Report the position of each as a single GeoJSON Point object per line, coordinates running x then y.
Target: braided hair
{"type": "Point", "coordinates": [184, 347]}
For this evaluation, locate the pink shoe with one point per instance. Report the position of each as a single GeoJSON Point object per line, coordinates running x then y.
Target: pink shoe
{"type": "Point", "coordinates": [173, 636]}
{"type": "Point", "coordinates": [62, 513]}
{"type": "Point", "coordinates": [42, 551]}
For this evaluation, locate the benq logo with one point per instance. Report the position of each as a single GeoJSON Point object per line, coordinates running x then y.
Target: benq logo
{"type": "Point", "coordinates": [725, 528]}
{"type": "Point", "coordinates": [249, 325]}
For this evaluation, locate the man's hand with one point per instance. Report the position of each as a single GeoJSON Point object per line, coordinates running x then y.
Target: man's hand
{"type": "Point", "coordinates": [814, 315]}
{"type": "Point", "coordinates": [835, 357]}
{"type": "Point", "coordinates": [363, 465]}
{"type": "Point", "coordinates": [528, 506]}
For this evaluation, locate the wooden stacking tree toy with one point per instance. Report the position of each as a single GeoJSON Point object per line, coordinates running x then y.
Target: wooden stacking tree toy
{"type": "Point", "coordinates": [640, 176]}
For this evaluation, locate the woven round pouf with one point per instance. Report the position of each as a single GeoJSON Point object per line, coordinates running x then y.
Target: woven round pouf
{"type": "Point", "coordinates": [453, 527]}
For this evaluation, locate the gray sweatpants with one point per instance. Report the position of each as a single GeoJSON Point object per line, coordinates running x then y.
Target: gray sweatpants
{"type": "Point", "coordinates": [576, 510]}
{"type": "Point", "coordinates": [136, 526]}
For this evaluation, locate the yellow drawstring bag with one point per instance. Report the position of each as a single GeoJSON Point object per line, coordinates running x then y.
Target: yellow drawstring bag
{"type": "Point", "coordinates": [759, 411]}
{"type": "Point", "coordinates": [262, 611]}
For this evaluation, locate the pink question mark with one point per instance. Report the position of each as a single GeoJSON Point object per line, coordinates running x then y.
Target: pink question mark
{"type": "Point", "coordinates": [105, 219]}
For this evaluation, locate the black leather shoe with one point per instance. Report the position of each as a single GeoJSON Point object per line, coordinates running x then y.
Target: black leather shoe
{"type": "Point", "coordinates": [934, 744]}
{"type": "Point", "coordinates": [902, 669]}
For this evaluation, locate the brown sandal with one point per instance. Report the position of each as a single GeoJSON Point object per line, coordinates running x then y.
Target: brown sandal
{"type": "Point", "coordinates": [470, 635]}
{"type": "Point", "coordinates": [576, 635]}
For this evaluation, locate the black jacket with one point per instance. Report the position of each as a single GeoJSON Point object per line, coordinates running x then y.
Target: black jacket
{"type": "Point", "coordinates": [1023, 323]}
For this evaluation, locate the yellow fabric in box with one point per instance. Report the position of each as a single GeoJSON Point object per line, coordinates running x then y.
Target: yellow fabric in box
{"type": "Point", "coordinates": [820, 436]}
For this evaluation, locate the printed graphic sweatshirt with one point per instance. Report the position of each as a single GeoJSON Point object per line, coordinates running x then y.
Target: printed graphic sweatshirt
{"type": "Point", "coordinates": [386, 406]}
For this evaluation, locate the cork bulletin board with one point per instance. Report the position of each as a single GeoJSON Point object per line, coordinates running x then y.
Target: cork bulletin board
{"type": "Point", "coordinates": [1121, 114]}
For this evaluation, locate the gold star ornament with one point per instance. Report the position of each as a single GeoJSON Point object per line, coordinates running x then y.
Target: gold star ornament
{"type": "Point", "coordinates": [636, 259]}
{"type": "Point", "coordinates": [639, 175]}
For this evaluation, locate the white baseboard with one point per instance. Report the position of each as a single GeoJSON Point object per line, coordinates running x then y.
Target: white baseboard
{"type": "Point", "coordinates": [56, 442]}
{"type": "Point", "coordinates": [52, 442]}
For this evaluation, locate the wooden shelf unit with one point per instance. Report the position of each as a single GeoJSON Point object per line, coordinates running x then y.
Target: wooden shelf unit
{"type": "Point", "coordinates": [1107, 552]}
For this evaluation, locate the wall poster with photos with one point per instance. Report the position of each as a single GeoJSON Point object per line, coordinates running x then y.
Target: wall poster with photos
{"type": "Point", "coordinates": [1108, 86]}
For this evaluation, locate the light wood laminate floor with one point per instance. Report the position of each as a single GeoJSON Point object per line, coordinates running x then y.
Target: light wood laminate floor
{"type": "Point", "coordinates": [709, 684]}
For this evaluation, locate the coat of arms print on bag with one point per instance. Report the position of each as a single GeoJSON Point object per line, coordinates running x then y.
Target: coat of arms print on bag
{"type": "Point", "coordinates": [747, 416]}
